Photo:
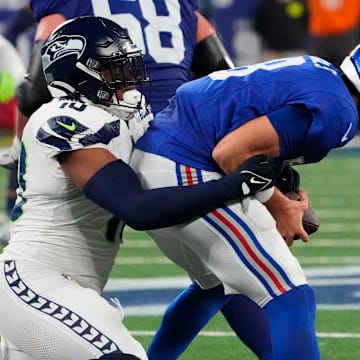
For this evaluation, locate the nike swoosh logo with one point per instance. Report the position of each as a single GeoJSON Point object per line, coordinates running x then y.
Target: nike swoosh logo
{"type": "Point", "coordinates": [254, 181]}
{"type": "Point", "coordinates": [345, 136]}
{"type": "Point", "coordinates": [70, 127]}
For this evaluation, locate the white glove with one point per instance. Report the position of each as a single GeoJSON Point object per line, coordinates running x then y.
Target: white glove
{"type": "Point", "coordinates": [135, 110]}
{"type": "Point", "coordinates": [139, 123]}
{"type": "Point", "coordinates": [10, 156]}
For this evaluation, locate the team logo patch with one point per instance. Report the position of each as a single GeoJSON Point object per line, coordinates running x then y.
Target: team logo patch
{"type": "Point", "coordinates": [62, 46]}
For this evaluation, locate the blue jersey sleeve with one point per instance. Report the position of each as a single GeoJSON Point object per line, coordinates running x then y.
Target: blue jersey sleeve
{"type": "Point", "coordinates": [291, 123]}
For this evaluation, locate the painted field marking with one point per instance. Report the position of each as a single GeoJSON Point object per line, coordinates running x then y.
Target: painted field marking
{"type": "Point", "coordinates": [334, 335]}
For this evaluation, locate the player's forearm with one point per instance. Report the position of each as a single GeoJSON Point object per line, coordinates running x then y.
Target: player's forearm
{"type": "Point", "coordinates": [116, 188]}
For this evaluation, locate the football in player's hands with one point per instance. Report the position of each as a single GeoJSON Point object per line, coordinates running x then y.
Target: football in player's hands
{"type": "Point", "coordinates": [310, 221]}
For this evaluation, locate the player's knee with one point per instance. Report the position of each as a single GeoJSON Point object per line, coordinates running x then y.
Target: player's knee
{"type": "Point", "coordinates": [117, 355]}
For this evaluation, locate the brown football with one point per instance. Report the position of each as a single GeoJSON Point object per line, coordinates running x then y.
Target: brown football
{"type": "Point", "coordinates": [310, 221]}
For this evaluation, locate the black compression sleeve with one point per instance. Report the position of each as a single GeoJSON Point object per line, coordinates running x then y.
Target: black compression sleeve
{"type": "Point", "coordinates": [117, 189]}
{"type": "Point", "coordinates": [33, 91]}
{"type": "Point", "coordinates": [210, 55]}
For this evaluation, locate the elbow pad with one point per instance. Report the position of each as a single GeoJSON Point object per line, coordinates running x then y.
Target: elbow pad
{"type": "Point", "coordinates": [210, 55]}
{"type": "Point", "coordinates": [33, 91]}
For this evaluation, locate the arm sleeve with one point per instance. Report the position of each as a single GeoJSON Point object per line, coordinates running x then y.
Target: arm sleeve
{"type": "Point", "coordinates": [292, 123]}
{"type": "Point", "coordinates": [33, 91]}
{"type": "Point", "coordinates": [210, 55]}
{"type": "Point", "coordinates": [116, 188]}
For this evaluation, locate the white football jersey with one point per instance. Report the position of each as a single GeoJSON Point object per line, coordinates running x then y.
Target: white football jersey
{"type": "Point", "coordinates": [53, 222]}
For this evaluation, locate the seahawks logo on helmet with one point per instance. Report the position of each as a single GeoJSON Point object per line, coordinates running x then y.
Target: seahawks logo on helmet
{"type": "Point", "coordinates": [63, 46]}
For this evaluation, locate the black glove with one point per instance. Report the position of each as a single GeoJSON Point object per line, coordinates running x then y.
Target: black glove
{"type": "Point", "coordinates": [289, 180]}
{"type": "Point", "coordinates": [256, 174]}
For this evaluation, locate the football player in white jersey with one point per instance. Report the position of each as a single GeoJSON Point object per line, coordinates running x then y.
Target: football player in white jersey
{"type": "Point", "coordinates": [75, 192]}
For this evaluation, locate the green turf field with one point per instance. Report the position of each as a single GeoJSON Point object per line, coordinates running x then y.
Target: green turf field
{"type": "Point", "coordinates": [332, 260]}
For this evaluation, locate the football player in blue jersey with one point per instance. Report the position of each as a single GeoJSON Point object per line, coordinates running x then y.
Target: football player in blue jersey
{"type": "Point", "coordinates": [76, 190]}
{"type": "Point", "coordinates": [295, 109]}
{"type": "Point", "coordinates": [178, 43]}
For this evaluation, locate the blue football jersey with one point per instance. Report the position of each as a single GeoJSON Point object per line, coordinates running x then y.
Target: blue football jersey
{"type": "Point", "coordinates": [205, 110]}
{"type": "Point", "coordinates": [164, 29]}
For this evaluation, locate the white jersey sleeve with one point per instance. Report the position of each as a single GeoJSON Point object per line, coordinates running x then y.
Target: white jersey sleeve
{"type": "Point", "coordinates": [74, 125]}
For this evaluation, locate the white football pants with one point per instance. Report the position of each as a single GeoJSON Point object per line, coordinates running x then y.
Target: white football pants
{"type": "Point", "coordinates": [236, 245]}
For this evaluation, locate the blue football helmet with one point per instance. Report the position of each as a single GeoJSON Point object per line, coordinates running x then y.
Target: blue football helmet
{"type": "Point", "coordinates": [351, 68]}
{"type": "Point", "coordinates": [92, 57]}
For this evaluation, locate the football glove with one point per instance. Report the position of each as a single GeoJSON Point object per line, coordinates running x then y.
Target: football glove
{"type": "Point", "coordinates": [139, 119]}
{"type": "Point", "coordinates": [9, 157]}
{"type": "Point", "coordinates": [256, 174]}
{"type": "Point", "coordinates": [133, 109]}
{"type": "Point", "coordinates": [289, 180]}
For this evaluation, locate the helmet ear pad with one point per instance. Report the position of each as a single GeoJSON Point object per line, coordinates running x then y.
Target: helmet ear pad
{"type": "Point", "coordinates": [97, 93]}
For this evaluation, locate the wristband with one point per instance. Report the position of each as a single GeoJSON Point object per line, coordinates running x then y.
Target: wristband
{"type": "Point", "coordinates": [264, 196]}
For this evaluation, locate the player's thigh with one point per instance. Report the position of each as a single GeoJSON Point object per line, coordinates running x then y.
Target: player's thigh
{"type": "Point", "coordinates": [173, 245]}
{"type": "Point", "coordinates": [51, 317]}
{"type": "Point", "coordinates": [242, 249]}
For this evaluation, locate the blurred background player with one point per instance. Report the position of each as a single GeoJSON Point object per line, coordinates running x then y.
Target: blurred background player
{"type": "Point", "coordinates": [73, 160]}
{"type": "Point", "coordinates": [282, 25]}
{"type": "Point", "coordinates": [12, 71]}
{"type": "Point", "coordinates": [20, 24]}
{"type": "Point", "coordinates": [296, 109]}
{"type": "Point", "coordinates": [235, 21]}
{"type": "Point", "coordinates": [334, 28]}
{"type": "Point", "coordinates": [17, 25]}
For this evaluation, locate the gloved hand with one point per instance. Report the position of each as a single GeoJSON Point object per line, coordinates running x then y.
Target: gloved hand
{"type": "Point", "coordinates": [256, 174]}
{"type": "Point", "coordinates": [9, 157]}
{"type": "Point", "coordinates": [135, 110]}
{"type": "Point", "coordinates": [139, 121]}
{"type": "Point", "coordinates": [289, 180]}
